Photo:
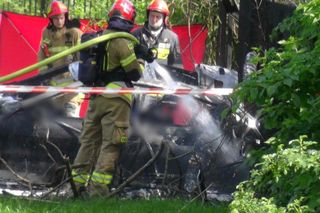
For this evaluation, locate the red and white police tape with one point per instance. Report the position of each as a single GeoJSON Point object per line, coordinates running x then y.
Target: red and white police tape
{"type": "Point", "coordinates": [104, 90]}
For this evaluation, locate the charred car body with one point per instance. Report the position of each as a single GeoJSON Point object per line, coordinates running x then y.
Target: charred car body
{"type": "Point", "coordinates": [195, 148]}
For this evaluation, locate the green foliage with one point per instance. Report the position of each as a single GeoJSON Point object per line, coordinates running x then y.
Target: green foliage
{"type": "Point", "coordinates": [203, 12]}
{"type": "Point", "coordinates": [20, 6]}
{"type": "Point", "coordinates": [286, 88]}
{"type": "Point", "coordinates": [98, 9]}
{"type": "Point", "coordinates": [285, 180]}
{"type": "Point", "coordinates": [11, 205]}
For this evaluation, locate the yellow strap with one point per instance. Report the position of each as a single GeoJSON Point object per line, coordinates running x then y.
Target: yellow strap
{"type": "Point", "coordinates": [116, 86]}
{"type": "Point", "coordinates": [55, 50]}
{"type": "Point", "coordinates": [113, 86]}
{"type": "Point", "coordinates": [79, 178]}
{"type": "Point", "coordinates": [141, 68]}
{"type": "Point", "coordinates": [106, 58]}
{"type": "Point", "coordinates": [125, 62]}
{"type": "Point", "coordinates": [64, 83]}
{"type": "Point", "coordinates": [101, 178]}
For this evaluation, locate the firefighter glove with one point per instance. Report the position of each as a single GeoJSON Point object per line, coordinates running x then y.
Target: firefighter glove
{"type": "Point", "coordinates": [144, 53]}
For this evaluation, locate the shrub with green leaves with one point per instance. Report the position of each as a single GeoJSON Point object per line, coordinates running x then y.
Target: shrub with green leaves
{"type": "Point", "coordinates": [286, 92]}
{"type": "Point", "coordinates": [287, 87]}
{"type": "Point", "coordinates": [288, 179]}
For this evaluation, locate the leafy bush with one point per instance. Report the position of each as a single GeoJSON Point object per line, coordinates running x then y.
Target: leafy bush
{"type": "Point", "coordinates": [286, 89]}
{"type": "Point", "coordinates": [285, 180]}
{"type": "Point", "coordinates": [286, 92]}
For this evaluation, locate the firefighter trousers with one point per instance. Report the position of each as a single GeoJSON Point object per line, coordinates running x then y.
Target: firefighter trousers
{"type": "Point", "coordinates": [105, 129]}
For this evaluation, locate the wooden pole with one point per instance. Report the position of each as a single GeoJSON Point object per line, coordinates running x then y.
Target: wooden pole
{"type": "Point", "coordinates": [35, 7]}
{"type": "Point", "coordinates": [245, 14]}
{"type": "Point", "coordinates": [30, 6]}
{"type": "Point", "coordinates": [222, 37]}
{"type": "Point", "coordinates": [90, 7]}
{"type": "Point", "coordinates": [42, 7]}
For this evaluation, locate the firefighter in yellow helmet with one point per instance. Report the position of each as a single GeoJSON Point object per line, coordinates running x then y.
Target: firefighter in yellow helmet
{"type": "Point", "coordinates": [106, 124]}
{"type": "Point", "coordinates": [61, 34]}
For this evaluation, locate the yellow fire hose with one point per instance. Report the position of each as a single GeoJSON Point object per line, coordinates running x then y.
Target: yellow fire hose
{"type": "Point", "coordinates": [68, 52]}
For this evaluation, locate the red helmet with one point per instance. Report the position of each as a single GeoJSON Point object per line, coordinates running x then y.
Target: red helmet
{"type": "Point", "coordinates": [57, 8]}
{"type": "Point", "coordinates": [159, 6]}
{"type": "Point", "coordinates": [123, 9]}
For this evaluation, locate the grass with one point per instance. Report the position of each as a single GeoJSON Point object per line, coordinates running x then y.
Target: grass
{"type": "Point", "coordinates": [20, 205]}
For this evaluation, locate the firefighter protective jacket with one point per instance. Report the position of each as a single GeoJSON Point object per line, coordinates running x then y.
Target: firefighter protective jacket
{"type": "Point", "coordinates": [119, 55]}
{"type": "Point", "coordinates": [167, 44]}
{"type": "Point", "coordinates": [55, 41]}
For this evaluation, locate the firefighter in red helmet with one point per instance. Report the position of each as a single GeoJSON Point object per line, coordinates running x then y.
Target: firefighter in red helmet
{"type": "Point", "coordinates": [61, 34]}
{"type": "Point", "coordinates": [106, 124]}
{"type": "Point", "coordinates": [57, 8]}
{"type": "Point", "coordinates": [156, 34]}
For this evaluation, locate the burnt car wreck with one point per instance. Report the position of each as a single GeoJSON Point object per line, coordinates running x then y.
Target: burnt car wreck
{"type": "Point", "coordinates": [180, 145]}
